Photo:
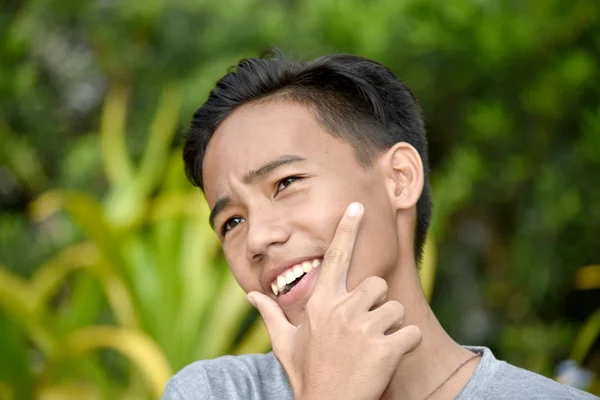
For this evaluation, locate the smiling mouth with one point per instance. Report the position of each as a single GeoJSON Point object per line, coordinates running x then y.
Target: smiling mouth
{"type": "Point", "coordinates": [292, 276]}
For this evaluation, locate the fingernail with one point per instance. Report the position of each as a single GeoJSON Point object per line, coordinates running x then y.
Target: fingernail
{"type": "Point", "coordinates": [353, 209]}
{"type": "Point", "coordinates": [250, 300]}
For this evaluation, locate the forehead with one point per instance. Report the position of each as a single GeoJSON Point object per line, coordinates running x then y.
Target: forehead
{"type": "Point", "coordinates": [280, 124]}
{"type": "Point", "coordinates": [257, 133]}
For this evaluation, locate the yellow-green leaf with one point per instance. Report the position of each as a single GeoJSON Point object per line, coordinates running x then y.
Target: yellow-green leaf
{"type": "Point", "coordinates": [135, 345]}
{"type": "Point", "coordinates": [117, 164]}
{"type": "Point", "coordinates": [588, 277]}
{"type": "Point", "coordinates": [428, 267]}
{"type": "Point", "coordinates": [256, 339]}
{"type": "Point", "coordinates": [586, 337]}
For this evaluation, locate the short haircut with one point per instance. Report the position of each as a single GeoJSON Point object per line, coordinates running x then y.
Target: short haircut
{"type": "Point", "coordinates": [355, 99]}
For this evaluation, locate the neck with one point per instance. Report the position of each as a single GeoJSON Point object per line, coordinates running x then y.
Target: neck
{"type": "Point", "coordinates": [437, 357]}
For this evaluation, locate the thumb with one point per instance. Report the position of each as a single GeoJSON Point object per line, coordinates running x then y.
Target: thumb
{"type": "Point", "coordinates": [275, 320]}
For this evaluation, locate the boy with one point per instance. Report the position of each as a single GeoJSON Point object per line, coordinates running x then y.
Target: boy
{"type": "Point", "coordinates": [317, 178]}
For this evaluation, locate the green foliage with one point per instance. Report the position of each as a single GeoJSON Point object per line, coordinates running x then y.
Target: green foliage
{"type": "Point", "coordinates": [99, 229]}
{"type": "Point", "coordinates": [148, 253]}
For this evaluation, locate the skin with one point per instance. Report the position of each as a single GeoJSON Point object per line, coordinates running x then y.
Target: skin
{"type": "Point", "coordinates": [274, 218]}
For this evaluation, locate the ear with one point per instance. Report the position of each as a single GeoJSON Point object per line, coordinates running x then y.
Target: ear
{"type": "Point", "coordinates": [403, 169]}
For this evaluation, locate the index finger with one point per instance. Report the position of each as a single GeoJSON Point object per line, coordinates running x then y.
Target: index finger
{"type": "Point", "coordinates": [336, 261]}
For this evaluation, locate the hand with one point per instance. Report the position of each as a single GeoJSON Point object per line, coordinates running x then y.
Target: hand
{"type": "Point", "coordinates": [349, 343]}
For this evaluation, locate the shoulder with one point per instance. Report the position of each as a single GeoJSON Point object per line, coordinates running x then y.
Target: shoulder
{"type": "Point", "coordinates": [495, 379]}
{"type": "Point", "coordinates": [251, 376]}
{"type": "Point", "coordinates": [531, 385]}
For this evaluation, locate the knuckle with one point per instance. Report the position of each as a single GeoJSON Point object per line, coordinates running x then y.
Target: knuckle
{"type": "Point", "coordinates": [393, 310]}
{"type": "Point", "coordinates": [409, 338]}
{"type": "Point", "coordinates": [312, 306]}
{"type": "Point", "coordinates": [381, 349]}
{"type": "Point", "coordinates": [397, 309]}
{"type": "Point", "coordinates": [333, 256]}
{"type": "Point", "coordinates": [345, 227]}
{"type": "Point", "coordinates": [376, 284]}
{"type": "Point", "coordinates": [414, 333]}
{"type": "Point", "coordinates": [344, 314]}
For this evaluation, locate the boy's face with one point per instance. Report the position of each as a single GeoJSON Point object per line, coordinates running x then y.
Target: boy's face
{"type": "Point", "coordinates": [287, 213]}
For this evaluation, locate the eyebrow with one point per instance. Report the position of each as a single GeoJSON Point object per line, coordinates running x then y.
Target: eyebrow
{"type": "Point", "coordinates": [219, 206]}
{"type": "Point", "coordinates": [255, 174]}
{"type": "Point", "coordinates": [264, 170]}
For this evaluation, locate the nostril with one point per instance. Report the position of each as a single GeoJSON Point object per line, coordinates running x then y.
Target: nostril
{"type": "Point", "coordinates": [256, 258]}
{"type": "Point", "coordinates": [264, 232]}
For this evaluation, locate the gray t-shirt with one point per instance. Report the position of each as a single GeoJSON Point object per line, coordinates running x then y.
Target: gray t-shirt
{"type": "Point", "coordinates": [260, 376]}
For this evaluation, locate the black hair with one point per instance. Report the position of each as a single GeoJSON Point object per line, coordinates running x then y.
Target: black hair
{"type": "Point", "coordinates": [357, 100]}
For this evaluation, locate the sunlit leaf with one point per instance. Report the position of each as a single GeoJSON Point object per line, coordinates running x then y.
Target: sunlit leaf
{"type": "Point", "coordinates": [46, 205]}
{"type": "Point", "coordinates": [125, 207]}
{"type": "Point", "coordinates": [112, 135]}
{"type": "Point", "coordinates": [135, 345]}
{"type": "Point", "coordinates": [588, 334]}
{"type": "Point", "coordinates": [69, 391]}
{"type": "Point", "coordinates": [88, 213]}
{"type": "Point", "coordinates": [15, 294]}
{"type": "Point", "coordinates": [53, 273]}
{"type": "Point", "coordinates": [158, 144]}
{"type": "Point", "coordinates": [6, 392]}
{"type": "Point", "coordinates": [223, 324]}
{"type": "Point", "coordinates": [85, 255]}
{"type": "Point", "coordinates": [256, 339]}
{"type": "Point", "coordinates": [173, 205]}
{"type": "Point", "coordinates": [19, 300]}
{"type": "Point", "coordinates": [174, 179]}
{"type": "Point", "coordinates": [427, 269]}
{"type": "Point", "coordinates": [588, 277]}
{"type": "Point", "coordinates": [200, 278]}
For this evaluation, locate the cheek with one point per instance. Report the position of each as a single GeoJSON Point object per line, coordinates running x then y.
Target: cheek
{"type": "Point", "coordinates": [320, 216]}
{"type": "Point", "coordinates": [317, 210]}
{"type": "Point", "coordinates": [376, 247]}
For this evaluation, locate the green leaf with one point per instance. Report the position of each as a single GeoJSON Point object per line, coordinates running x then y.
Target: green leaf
{"type": "Point", "coordinates": [427, 268]}
{"type": "Point", "coordinates": [19, 300]}
{"type": "Point", "coordinates": [135, 345]}
{"type": "Point", "coordinates": [16, 374]}
{"type": "Point", "coordinates": [223, 324]}
{"type": "Point", "coordinates": [586, 337]}
{"type": "Point", "coordinates": [158, 144]}
{"type": "Point", "coordinates": [255, 340]}
{"type": "Point", "coordinates": [88, 213]}
{"type": "Point", "coordinates": [588, 277]}
{"type": "Point", "coordinates": [112, 135]}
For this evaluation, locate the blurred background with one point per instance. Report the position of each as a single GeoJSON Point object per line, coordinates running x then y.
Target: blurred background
{"type": "Point", "coordinates": [111, 279]}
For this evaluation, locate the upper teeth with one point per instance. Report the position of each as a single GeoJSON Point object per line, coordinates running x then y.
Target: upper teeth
{"type": "Point", "coordinates": [292, 273]}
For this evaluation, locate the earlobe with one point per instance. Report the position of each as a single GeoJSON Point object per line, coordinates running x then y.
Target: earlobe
{"type": "Point", "coordinates": [403, 168]}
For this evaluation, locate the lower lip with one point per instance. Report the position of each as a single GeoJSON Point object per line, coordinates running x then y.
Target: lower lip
{"type": "Point", "coordinates": [301, 291]}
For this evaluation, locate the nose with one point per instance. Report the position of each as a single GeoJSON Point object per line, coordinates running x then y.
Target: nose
{"type": "Point", "coordinates": [265, 231]}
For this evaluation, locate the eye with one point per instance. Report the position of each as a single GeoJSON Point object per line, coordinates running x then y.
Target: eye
{"type": "Point", "coordinates": [230, 224]}
{"type": "Point", "coordinates": [285, 182]}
